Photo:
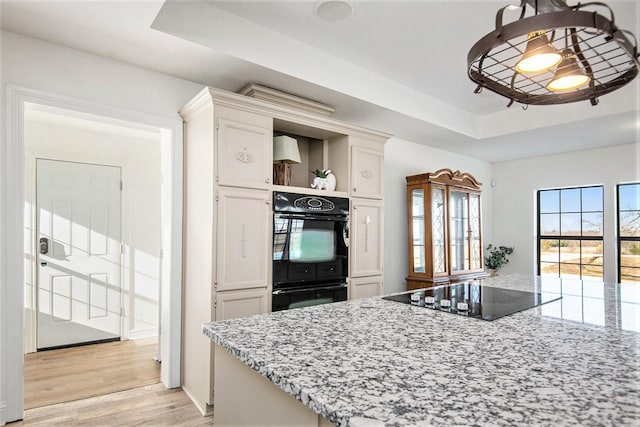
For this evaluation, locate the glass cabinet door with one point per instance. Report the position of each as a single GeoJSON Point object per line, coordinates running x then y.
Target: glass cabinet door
{"type": "Point", "coordinates": [438, 228]}
{"type": "Point", "coordinates": [459, 230]}
{"type": "Point", "coordinates": [417, 217]}
{"type": "Point", "coordinates": [474, 227]}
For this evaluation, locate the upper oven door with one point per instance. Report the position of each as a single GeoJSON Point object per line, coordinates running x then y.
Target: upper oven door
{"type": "Point", "coordinates": [309, 247]}
{"type": "Point", "coordinates": [309, 238]}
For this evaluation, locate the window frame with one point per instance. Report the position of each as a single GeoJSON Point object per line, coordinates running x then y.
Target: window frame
{"type": "Point", "coordinates": [560, 237]}
{"type": "Point", "coordinates": [619, 238]}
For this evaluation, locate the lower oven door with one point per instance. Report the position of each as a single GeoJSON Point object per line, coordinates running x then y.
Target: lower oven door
{"type": "Point", "coordinates": [285, 299]}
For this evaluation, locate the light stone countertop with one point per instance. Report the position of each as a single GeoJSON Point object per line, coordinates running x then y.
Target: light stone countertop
{"type": "Point", "coordinates": [575, 361]}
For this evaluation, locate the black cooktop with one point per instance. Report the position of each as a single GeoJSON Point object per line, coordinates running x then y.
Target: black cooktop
{"type": "Point", "coordinates": [472, 299]}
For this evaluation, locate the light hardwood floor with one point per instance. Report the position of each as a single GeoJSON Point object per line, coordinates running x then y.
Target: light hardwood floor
{"type": "Point", "coordinates": [74, 373]}
{"type": "Point", "coordinates": [110, 384]}
{"type": "Point", "coordinates": [151, 405]}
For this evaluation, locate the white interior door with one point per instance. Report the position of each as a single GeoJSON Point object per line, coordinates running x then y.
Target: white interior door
{"type": "Point", "coordinates": [78, 209]}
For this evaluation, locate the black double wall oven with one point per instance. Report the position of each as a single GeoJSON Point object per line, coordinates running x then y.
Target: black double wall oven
{"type": "Point", "coordinates": [310, 250]}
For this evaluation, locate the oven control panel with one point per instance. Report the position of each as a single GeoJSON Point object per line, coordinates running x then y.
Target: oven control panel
{"type": "Point", "coordinates": [306, 203]}
{"type": "Point", "coordinates": [314, 204]}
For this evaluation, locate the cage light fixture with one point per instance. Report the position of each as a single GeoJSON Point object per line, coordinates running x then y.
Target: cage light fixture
{"type": "Point", "coordinates": [525, 62]}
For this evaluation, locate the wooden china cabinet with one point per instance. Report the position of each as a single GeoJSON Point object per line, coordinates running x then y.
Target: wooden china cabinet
{"type": "Point", "coordinates": [445, 228]}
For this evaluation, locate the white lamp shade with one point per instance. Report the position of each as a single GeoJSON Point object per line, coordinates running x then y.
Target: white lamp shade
{"type": "Point", "coordinates": [285, 150]}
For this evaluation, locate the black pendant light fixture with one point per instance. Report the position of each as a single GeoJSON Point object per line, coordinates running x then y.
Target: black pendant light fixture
{"type": "Point", "coordinates": [568, 75]}
{"type": "Point", "coordinates": [555, 55]}
{"type": "Point", "coordinates": [539, 54]}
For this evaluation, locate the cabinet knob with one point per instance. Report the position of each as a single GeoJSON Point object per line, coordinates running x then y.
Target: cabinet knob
{"type": "Point", "coordinates": [267, 180]}
{"type": "Point", "coordinates": [355, 188]}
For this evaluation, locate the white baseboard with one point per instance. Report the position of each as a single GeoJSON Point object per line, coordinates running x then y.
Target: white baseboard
{"type": "Point", "coordinates": [207, 411]}
{"type": "Point", "coordinates": [147, 333]}
{"type": "Point", "coordinates": [3, 413]}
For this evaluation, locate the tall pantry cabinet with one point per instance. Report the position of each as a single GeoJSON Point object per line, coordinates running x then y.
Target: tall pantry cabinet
{"type": "Point", "coordinates": [228, 219]}
{"type": "Point", "coordinates": [367, 220]}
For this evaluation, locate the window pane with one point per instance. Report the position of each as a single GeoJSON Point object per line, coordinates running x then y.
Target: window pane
{"type": "Point", "coordinates": [570, 200]}
{"type": "Point", "coordinates": [592, 252]}
{"type": "Point", "coordinates": [592, 273]}
{"type": "Point", "coordinates": [629, 275]}
{"type": "Point", "coordinates": [549, 269]}
{"type": "Point", "coordinates": [592, 224]}
{"type": "Point", "coordinates": [630, 254]}
{"type": "Point", "coordinates": [549, 201]}
{"type": "Point", "coordinates": [549, 250]}
{"type": "Point", "coordinates": [592, 199]}
{"type": "Point", "coordinates": [630, 224]}
{"type": "Point", "coordinates": [629, 197]}
{"type": "Point", "coordinates": [570, 251]}
{"type": "Point", "coordinates": [570, 224]}
{"type": "Point", "coordinates": [549, 225]}
{"type": "Point", "coordinates": [630, 262]}
{"type": "Point", "coordinates": [570, 270]}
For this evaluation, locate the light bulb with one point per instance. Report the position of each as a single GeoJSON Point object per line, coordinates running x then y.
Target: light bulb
{"type": "Point", "coordinates": [539, 54]}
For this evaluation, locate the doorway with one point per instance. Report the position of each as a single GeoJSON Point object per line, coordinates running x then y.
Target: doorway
{"type": "Point", "coordinates": [17, 249]}
{"type": "Point", "coordinates": [93, 192]}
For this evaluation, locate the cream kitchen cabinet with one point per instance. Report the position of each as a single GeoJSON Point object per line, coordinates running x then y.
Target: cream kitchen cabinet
{"type": "Point", "coordinates": [244, 148]}
{"type": "Point", "coordinates": [366, 238]}
{"type": "Point", "coordinates": [226, 235]}
{"type": "Point", "coordinates": [366, 170]}
{"type": "Point", "coordinates": [243, 235]}
{"type": "Point", "coordinates": [227, 212]}
{"type": "Point", "coordinates": [364, 287]}
{"type": "Point", "coordinates": [247, 302]}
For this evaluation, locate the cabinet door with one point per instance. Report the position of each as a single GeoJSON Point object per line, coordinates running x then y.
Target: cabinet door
{"type": "Point", "coordinates": [465, 230]}
{"type": "Point", "coordinates": [243, 232]}
{"type": "Point", "coordinates": [459, 230]}
{"type": "Point", "coordinates": [366, 172]}
{"type": "Point", "coordinates": [438, 229]}
{"type": "Point", "coordinates": [364, 287]}
{"type": "Point", "coordinates": [232, 304]}
{"type": "Point", "coordinates": [417, 230]}
{"type": "Point", "coordinates": [366, 238]}
{"type": "Point", "coordinates": [475, 231]}
{"type": "Point", "coordinates": [244, 149]}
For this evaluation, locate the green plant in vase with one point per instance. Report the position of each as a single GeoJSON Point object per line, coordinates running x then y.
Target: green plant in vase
{"type": "Point", "coordinates": [324, 180]}
{"type": "Point", "coordinates": [321, 173]}
{"type": "Point", "coordinates": [497, 257]}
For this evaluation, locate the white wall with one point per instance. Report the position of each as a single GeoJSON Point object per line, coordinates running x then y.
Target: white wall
{"type": "Point", "coordinates": [137, 153]}
{"type": "Point", "coordinates": [514, 196]}
{"type": "Point", "coordinates": [404, 158]}
{"type": "Point", "coordinates": [84, 79]}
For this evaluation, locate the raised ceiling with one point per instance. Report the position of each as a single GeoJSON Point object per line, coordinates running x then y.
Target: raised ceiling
{"type": "Point", "coordinates": [395, 66]}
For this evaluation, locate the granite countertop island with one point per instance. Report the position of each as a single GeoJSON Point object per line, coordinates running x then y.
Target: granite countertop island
{"type": "Point", "coordinates": [574, 361]}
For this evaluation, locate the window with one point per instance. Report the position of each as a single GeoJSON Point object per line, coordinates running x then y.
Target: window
{"type": "Point", "coordinates": [629, 233]}
{"type": "Point", "coordinates": [570, 229]}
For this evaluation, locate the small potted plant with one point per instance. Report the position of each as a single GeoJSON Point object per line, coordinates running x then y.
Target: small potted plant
{"type": "Point", "coordinates": [497, 258]}
{"type": "Point", "coordinates": [324, 180]}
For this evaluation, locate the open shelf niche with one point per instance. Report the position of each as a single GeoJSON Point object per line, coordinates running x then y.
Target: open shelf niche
{"type": "Point", "coordinates": [319, 149]}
